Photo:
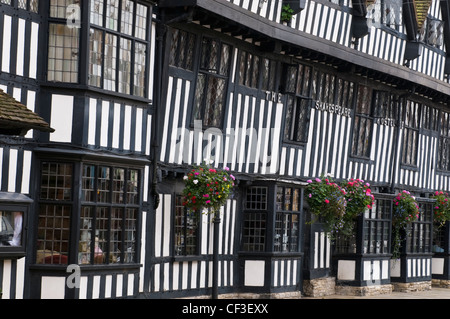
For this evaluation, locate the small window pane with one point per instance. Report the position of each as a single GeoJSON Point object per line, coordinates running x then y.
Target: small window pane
{"type": "Point", "coordinates": [58, 8]}
{"type": "Point", "coordinates": [53, 234]}
{"type": "Point", "coordinates": [141, 22]}
{"type": "Point", "coordinates": [95, 57]}
{"type": "Point", "coordinates": [63, 52]}
{"type": "Point", "coordinates": [97, 12]}
{"type": "Point", "coordinates": [11, 224]}
{"type": "Point", "coordinates": [56, 181]}
{"type": "Point", "coordinates": [112, 14]}
{"type": "Point", "coordinates": [139, 69]}
{"type": "Point", "coordinates": [109, 72]}
{"type": "Point", "coordinates": [125, 66]}
{"type": "Point", "coordinates": [127, 17]}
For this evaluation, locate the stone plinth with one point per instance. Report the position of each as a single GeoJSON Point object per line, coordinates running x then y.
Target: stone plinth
{"type": "Point", "coordinates": [319, 287]}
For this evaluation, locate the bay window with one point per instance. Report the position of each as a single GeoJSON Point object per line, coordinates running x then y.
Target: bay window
{"type": "Point", "coordinates": [107, 218]}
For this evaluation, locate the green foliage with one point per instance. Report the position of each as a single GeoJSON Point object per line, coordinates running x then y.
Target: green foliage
{"type": "Point", "coordinates": [337, 206]}
{"type": "Point", "coordinates": [207, 188]}
{"type": "Point", "coordinates": [326, 200]}
{"type": "Point", "coordinates": [441, 208]}
{"type": "Point", "coordinates": [286, 13]}
{"type": "Point", "coordinates": [359, 197]}
{"type": "Point", "coordinates": [406, 210]}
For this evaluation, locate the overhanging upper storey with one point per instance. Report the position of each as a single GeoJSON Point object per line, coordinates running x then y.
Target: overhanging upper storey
{"type": "Point", "coordinates": [226, 17]}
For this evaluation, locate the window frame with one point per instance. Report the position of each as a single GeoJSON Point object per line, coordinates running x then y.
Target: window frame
{"type": "Point", "coordinates": [444, 138]}
{"type": "Point", "coordinates": [285, 209]}
{"type": "Point", "coordinates": [111, 208]}
{"type": "Point", "coordinates": [298, 103]}
{"type": "Point", "coordinates": [417, 241]}
{"type": "Point", "coordinates": [178, 197]}
{"type": "Point", "coordinates": [119, 35]}
{"type": "Point", "coordinates": [368, 117]}
{"type": "Point", "coordinates": [254, 213]}
{"type": "Point", "coordinates": [374, 220]}
{"type": "Point", "coordinates": [20, 203]}
{"type": "Point", "coordinates": [75, 215]}
{"type": "Point", "coordinates": [41, 252]}
{"type": "Point", "coordinates": [413, 153]}
{"type": "Point", "coordinates": [200, 106]}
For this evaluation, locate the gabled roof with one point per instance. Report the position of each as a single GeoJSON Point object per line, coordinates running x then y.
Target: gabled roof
{"type": "Point", "coordinates": [17, 119]}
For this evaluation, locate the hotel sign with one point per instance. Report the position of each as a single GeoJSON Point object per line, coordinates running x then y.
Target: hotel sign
{"type": "Point", "coordinates": [332, 108]}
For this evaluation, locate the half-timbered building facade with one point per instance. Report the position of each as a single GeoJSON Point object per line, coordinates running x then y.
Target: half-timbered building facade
{"type": "Point", "coordinates": [137, 92]}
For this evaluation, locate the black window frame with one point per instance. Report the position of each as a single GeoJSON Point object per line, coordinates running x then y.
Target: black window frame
{"type": "Point", "coordinates": [377, 227]}
{"type": "Point", "coordinates": [443, 158]}
{"type": "Point", "coordinates": [52, 54]}
{"type": "Point", "coordinates": [255, 220]}
{"type": "Point", "coordinates": [134, 40]}
{"type": "Point", "coordinates": [16, 203]}
{"type": "Point", "coordinates": [220, 72]}
{"type": "Point", "coordinates": [412, 113]}
{"type": "Point", "coordinates": [113, 209]}
{"type": "Point", "coordinates": [72, 207]}
{"type": "Point", "coordinates": [180, 250]}
{"type": "Point", "coordinates": [366, 115]}
{"type": "Point", "coordinates": [427, 34]}
{"type": "Point", "coordinates": [297, 87]}
{"type": "Point", "coordinates": [288, 208]}
{"type": "Point", "coordinates": [419, 236]}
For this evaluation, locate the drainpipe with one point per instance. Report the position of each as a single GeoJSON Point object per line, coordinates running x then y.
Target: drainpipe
{"type": "Point", "coordinates": [157, 85]}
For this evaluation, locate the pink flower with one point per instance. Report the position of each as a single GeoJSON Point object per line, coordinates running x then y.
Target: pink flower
{"type": "Point", "coordinates": [197, 173]}
{"type": "Point", "coordinates": [226, 168]}
{"type": "Point", "coordinates": [309, 181]}
{"type": "Point", "coordinates": [318, 180]}
{"type": "Point", "coordinates": [206, 195]}
{"type": "Point", "coordinates": [310, 195]}
{"type": "Point", "coordinates": [208, 201]}
{"type": "Point", "coordinates": [327, 201]}
{"type": "Point", "coordinates": [232, 177]}
{"type": "Point", "coordinates": [396, 203]}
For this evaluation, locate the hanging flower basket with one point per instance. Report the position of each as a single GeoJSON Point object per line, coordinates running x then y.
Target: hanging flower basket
{"type": "Point", "coordinates": [441, 212]}
{"type": "Point", "coordinates": [405, 211]}
{"type": "Point", "coordinates": [359, 197]}
{"type": "Point", "coordinates": [207, 188]}
{"type": "Point", "coordinates": [326, 200]}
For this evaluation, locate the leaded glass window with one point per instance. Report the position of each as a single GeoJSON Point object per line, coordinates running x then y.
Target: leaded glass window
{"type": "Point", "coordinates": [55, 209]}
{"type": "Point", "coordinates": [419, 237]}
{"type": "Point", "coordinates": [443, 160]}
{"type": "Point", "coordinates": [109, 214]}
{"type": "Point", "coordinates": [377, 227]}
{"type": "Point", "coordinates": [186, 229]}
{"type": "Point", "coordinates": [120, 59]}
{"type": "Point", "coordinates": [249, 69]}
{"type": "Point", "coordinates": [63, 53]}
{"type": "Point", "coordinates": [287, 219]}
{"type": "Point", "coordinates": [254, 226]}
{"type": "Point", "coordinates": [212, 82]}
{"type": "Point", "coordinates": [385, 13]}
{"type": "Point", "coordinates": [182, 49]}
{"type": "Point", "coordinates": [432, 32]}
{"type": "Point", "coordinates": [411, 132]}
{"type": "Point", "coordinates": [298, 103]}
{"type": "Point", "coordinates": [363, 123]}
